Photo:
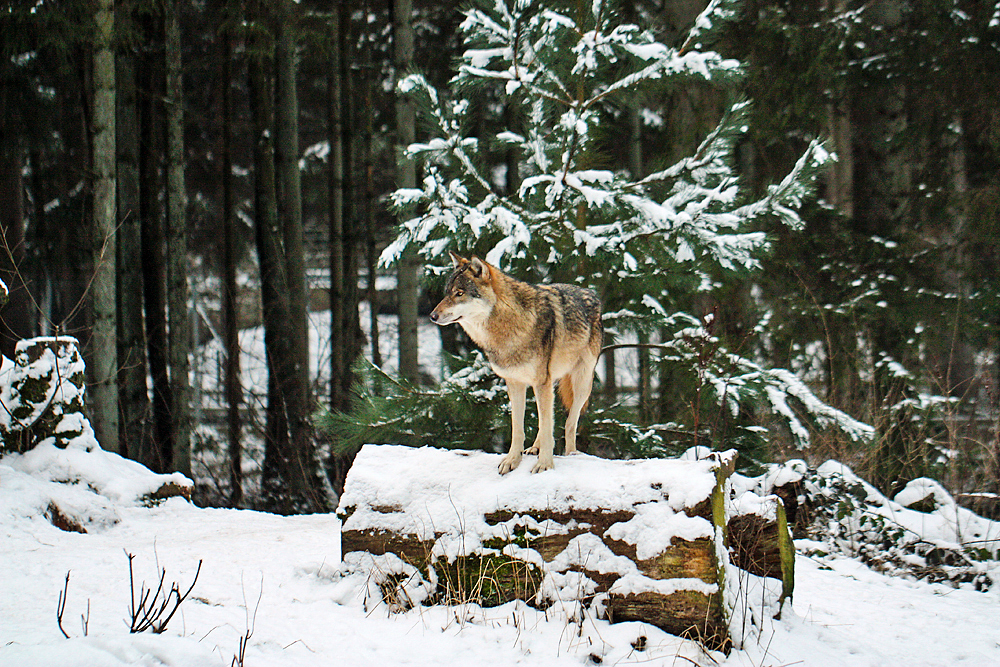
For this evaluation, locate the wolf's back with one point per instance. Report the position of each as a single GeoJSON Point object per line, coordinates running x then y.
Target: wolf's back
{"type": "Point", "coordinates": [581, 309]}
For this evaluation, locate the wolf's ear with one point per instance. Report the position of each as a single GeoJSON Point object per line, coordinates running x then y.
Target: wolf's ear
{"type": "Point", "coordinates": [479, 269]}
{"type": "Point", "coordinates": [457, 260]}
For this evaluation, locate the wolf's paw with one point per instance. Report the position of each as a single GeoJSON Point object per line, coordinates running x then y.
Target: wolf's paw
{"type": "Point", "coordinates": [533, 450]}
{"type": "Point", "coordinates": [544, 463]}
{"type": "Point", "coordinates": [510, 462]}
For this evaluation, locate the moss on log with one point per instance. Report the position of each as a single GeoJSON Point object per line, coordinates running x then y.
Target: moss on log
{"type": "Point", "coordinates": [486, 579]}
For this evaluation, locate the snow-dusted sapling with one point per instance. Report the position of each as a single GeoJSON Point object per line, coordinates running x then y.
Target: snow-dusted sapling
{"type": "Point", "coordinates": [532, 335]}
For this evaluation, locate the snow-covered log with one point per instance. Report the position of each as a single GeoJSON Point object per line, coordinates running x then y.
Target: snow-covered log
{"type": "Point", "coordinates": [638, 540]}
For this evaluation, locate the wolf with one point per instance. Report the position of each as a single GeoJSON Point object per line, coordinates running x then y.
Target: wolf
{"type": "Point", "coordinates": [532, 335]}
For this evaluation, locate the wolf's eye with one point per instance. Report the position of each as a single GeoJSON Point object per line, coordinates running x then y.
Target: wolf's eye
{"type": "Point", "coordinates": [460, 292]}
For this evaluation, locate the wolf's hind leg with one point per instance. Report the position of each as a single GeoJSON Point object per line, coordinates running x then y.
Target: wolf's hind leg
{"type": "Point", "coordinates": [544, 398]}
{"type": "Point", "coordinates": [579, 383]}
{"type": "Point", "coordinates": [517, 393]}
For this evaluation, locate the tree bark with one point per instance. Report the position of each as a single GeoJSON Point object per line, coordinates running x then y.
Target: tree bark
{"type": "Point", "coordinates": [346, 321]}
{"type": "Point", "coordinates": [635, 165]}
{"type": "Point", "coordinates": [352, 234]}
{"type": "Point", "coordinates": [179, 315]}
{"type": "Point", "coordinates": [371, 253]}
{"type": "Point", "coordinates": [133, 392]}
{"type": "Point", "coordinates": [233, 383]}
{"type": "Point", "coordinates": [16, 311]}
{"type": "Point", "coordinates": [335, 204]}
{"type": "Point", "coordinates": [285, 485]}
{"type": "Point", "coordinates": [158, 456]}
{"type": "Point", "coordinates": [272, 274]}
{"type": "Point", "coordinates": [103, 343]}
{"type": "Point", "coordinates": [408, 271]}
{"type": "Point", "coordinates": [304, 471]}
{"type": "Point", "coordinates": [15, 316]}
{"type": "Point", "coordinates": [882, 186]}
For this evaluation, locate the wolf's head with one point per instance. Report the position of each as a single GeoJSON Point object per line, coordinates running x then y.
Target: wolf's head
{"type": "Point", "coordinates": [469, 293]}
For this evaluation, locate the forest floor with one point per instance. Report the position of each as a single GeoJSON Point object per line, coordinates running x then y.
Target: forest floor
{"type": "Point", "coordinates": [276, 583]}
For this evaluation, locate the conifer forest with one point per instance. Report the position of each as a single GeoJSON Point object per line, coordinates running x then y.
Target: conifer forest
{"type": "Point", "coordinates": [244, 212]}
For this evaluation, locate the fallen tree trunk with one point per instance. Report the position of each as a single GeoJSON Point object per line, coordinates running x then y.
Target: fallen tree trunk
{"type": "Point", "coordinates": [640, 540]}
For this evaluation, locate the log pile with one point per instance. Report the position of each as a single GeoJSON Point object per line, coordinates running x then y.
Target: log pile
{"type": "Point", "coordinates": [640, 540]}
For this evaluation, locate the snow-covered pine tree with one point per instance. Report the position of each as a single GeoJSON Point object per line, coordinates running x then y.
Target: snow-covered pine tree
{"type": "Point", "coordinates": [562, 71]}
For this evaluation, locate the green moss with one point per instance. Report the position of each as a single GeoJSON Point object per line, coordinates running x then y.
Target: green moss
{"type": "Point", "coordinates": [488, 580]}
{"type": "Point", "coordinates": [786, 548]}
{"type": "Point", "coordinates": [719, 521]}
{"type": "Point", "coordinates": [522, 536]}
{"type": "Point", "coordinates": [694, 559]}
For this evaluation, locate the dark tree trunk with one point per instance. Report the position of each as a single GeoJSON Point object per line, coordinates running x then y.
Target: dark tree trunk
{"type": "Point", "coordinates": [272, 277]}
{"type": "Point", "coordinates": [344, 319]}
{"type": "Point", "coordinates": [371, 251]}
{"type": "Point", "coordinates": [881, 208]}
{"type": "Point", "coordinates": [304, 471]}
{"type": "Point", "coordinates": [352, 238]}
{"type": "Point", "coordinates": [335, 203]}
{"type": "Point", "coordinates": [408, 271]}
{"type": "Point", "coordinates": [231, 329]}
{"type": "Point", "coordinates": [285, 485]}
{"type": "Point", "coordinates": [158, 458]}
{"type": "Point", "coordinates": [179, 313]}
{"type": "Point", "coordinates": [15, 316]}
{"type": "Point", "coordinates": [133, 392]}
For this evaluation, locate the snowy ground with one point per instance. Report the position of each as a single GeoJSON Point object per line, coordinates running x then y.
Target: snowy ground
{"type": "Point", "coordinates": [278, 580]}
{"type": "Point", "coordinates": [307, 614]}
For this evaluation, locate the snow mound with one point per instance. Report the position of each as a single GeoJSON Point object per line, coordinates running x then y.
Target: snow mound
{"type": "Point", "coordinates": [79, 488]}
{"type": "Point", "coordinates": [920, 534]}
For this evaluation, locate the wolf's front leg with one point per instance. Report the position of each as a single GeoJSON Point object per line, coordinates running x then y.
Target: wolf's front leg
{"type": "Point", "coordinates": [517, 393]}
{"type": "Point", "coordinates": [544, 442]}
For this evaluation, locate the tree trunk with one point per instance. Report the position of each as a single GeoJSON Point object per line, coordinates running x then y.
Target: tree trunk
{"type": "Point", "coordinates": [371, 253]}
{"type": "Point", "coordinates": [304, 471]}
{"type": "Point", "coordinates": [352, 234]}
{"type": "Point", "coordinates": [133, 392]}
{"type": "Point", "coordinates": [284, 486]}
{"type": "Point", "coordinates": [103, 344]}
{"type": "Point", "coordinates": [408, 271]}
{"type": "Point", "coordinates": [272, 275]}
{"type": "Point", "coordinates": [177, 268]}
{"type": "Point", "coordinates": [635, 160]}
{"type": "Point", "coordinates": [882, 186]}
{"type": "Point", "coordinates": [840, 175]}
{"type": "Point", "coordinates": [233, 384]}
{"type": "Point", "coordinates": [344, 279]}
{"type": "Point", "coordinates": [16, 311]}
{"type": "Point", "coordinates": [395, 514]}
{"type": "Point", "coordinates": [15, 317]}
{"type": "Point", "coordinates": [335, 203]}
{"type": "Point", "coordinates": [154, 253]}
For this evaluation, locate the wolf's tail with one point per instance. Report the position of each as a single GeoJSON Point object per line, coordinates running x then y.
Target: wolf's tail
{"type": "Point", "coordinates": [566, 393]}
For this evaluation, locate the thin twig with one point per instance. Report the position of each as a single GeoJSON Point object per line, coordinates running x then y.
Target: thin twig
{"type": "Point", "coordinates": [61, 605]}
